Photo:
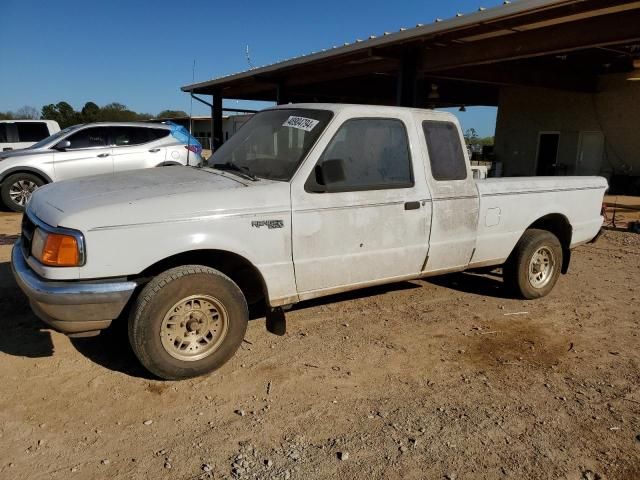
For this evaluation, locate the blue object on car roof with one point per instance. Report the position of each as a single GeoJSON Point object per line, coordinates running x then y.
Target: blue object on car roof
{"type": "Point", "coordinates": [182, 135]}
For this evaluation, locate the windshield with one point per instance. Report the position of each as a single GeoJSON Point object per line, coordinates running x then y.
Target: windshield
{"type": "Point", "coordinates": [55, 136]}
{"type": "Point", "coordinates": [272, 143]}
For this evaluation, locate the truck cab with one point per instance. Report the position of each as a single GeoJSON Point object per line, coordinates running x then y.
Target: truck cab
{"type": "Point", "coordinates": [395, 216]}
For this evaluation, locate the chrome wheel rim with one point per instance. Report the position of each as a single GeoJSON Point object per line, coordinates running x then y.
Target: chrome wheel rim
{"type": "Point", "coordinates": [20, 192]}
{"type": "Point", "coordinates": [541, 267]}
{"type": "Point", "coordinates": [194, 328]}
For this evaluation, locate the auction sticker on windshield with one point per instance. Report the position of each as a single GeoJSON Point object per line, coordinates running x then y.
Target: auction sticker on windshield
{"type": "Point", "coordinates": [302, 123]}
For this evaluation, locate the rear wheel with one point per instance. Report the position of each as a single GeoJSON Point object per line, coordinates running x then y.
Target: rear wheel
{"type": "Point", "coordinates": [187, 322]}
{"type": "Point", "coordinates": [17, 190]}
{"type": "Point", "coordinates": [534, 265]}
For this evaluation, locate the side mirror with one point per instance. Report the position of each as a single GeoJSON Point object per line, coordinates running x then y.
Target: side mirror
{"type": "Point", "coordinates": [63, 145]}
{"type": "Point", "coordinates": [328, 172]}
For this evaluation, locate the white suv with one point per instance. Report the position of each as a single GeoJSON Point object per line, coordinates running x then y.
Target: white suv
{"type": "Point", "coordinates": [92, 149]}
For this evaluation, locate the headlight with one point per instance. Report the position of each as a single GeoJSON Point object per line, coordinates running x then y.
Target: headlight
{"type": "Point", "coordinates": [56, 249]}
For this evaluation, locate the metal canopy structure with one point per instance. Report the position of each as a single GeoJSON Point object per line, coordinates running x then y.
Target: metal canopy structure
{"type": "Point", "coordinates": [560, 44]}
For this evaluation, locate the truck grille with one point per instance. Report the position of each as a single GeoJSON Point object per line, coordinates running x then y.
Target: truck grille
{"type": "Point", "coordinates": [28, 228]}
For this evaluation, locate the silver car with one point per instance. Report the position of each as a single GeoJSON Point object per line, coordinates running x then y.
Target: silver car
{"type": "Point", "coordinates": [91, 149]}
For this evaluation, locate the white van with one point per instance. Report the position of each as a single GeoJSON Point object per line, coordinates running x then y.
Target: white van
{"type": "Point", "coordinates": [16, 134]}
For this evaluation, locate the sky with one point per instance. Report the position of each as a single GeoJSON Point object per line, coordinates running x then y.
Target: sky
{"type": "Point", "coordinates": [140, 53]}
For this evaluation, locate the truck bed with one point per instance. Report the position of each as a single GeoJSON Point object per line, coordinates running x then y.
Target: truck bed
{"type": "Point", "coordinates": [520, 185]}
{"type": "Point", "coordinates": [510, 205]}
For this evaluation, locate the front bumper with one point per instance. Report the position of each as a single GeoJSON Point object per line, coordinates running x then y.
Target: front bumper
{"type": "Point", "coordinates": [72, 307]}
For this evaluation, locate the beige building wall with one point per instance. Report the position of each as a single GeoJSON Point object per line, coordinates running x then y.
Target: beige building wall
{"type": "Point", "coordinates": [525, 112]}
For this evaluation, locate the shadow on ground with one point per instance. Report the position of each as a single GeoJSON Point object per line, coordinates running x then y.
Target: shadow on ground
{"type": "Point", "coordinates": [111, 350]}
{"type": "Point", "coordinates": [23, 334]}
{"type": "Point", "coordinates": [484, 284]}
{"type": "Point", "coordinates": [356, 294]}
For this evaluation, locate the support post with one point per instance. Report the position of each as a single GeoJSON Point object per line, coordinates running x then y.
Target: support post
{"type": "Point", "coordinates": [406, 84]}
{"type": "Point", "coordinates": [216, 121]}
{"type": "Point", "coordinates": [281, 94]}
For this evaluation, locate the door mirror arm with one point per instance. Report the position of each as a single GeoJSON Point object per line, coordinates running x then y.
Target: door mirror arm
{"type": "Point", "coordinates": [62, 145]}
{"type": "Point", "coordinates": [319, 186]}
{"type": "Point", "coordinates": [327, 173]}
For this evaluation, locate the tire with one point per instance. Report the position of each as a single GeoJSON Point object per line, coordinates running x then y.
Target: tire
{"type": "Point", "coordinates": [188, 321]}
{"type": "Point", "coordinates": [533, 267]}
{"type": "Point", "coordinates": [17, 189]}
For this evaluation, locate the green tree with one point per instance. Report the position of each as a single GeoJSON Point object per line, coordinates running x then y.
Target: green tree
{"type": "Point", "coordinates": [171, 114]}
{"type": "Point", "coordinates": [471, 136]}
{"type": "Point", "coordinates": [90, 112]}
{"type": "Point", "coordinates": [117, 112]}
{"type": "Point", "coordinates": [49, 112]}
{"type": "Point", "coordinates": [488, 140]}
{"type": "Point", "coordinates": [61, 112]}
{"type": "Point", "coordinates": [65, 115]}
{"type": "Point", "coordinates": [68, 115]}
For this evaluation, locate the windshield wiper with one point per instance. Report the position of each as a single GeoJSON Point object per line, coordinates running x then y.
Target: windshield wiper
{"type": "Point", "coordinates": [240, 170]}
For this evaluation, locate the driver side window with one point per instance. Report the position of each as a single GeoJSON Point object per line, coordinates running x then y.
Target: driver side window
{"type": "Point", "coordinates": [88, 138]}
{"type": "Point", "coordinates": [374, 154]}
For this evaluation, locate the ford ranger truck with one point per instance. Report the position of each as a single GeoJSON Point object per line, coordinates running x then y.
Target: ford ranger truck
{"type": "Point", "coordinates": [304, 201]}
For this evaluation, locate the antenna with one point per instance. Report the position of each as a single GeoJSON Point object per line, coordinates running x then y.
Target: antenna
{"type": "Point", "coordinates": [251, 67]}
{"type": "Point", "coordinates": [193, 80]}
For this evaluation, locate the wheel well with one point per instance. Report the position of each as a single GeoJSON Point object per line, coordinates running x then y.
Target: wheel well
{"type": "Point", "coordinates": [237, 268]}
{"type": "Point", "coordinates": [38, 174]}
{"type": "Point", "coordinates": [558, 225]}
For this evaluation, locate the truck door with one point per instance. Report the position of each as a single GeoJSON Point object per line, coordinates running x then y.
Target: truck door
{"type": "Point", "coordinates": [371, 225]}
{"type": "Point", "coordinates": [454, 194]}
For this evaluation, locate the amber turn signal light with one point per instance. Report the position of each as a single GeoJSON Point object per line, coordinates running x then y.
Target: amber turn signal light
{"type": "Point", "coordinates": [60, 251]}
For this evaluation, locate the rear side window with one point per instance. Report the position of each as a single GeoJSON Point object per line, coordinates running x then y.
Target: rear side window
{"type": "Point", "coordinates": [3, 133]}
{"type": "Point", "coordinates": [158, 133]}
{"type": "Point", "coordinates": [445, 151]}
{"type": "Point", "coordinates": [125, 136]}
{"type": "Point", "coordinates": [375, 155]}
{"type": "Point", "coordinates": [89, 138]}
{"type": "Point", "coordinates": [32, 131]}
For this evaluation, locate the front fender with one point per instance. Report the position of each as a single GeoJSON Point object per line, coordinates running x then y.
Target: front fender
{"type": "Point", "coordinates": [128, 251]}
{"type": "Point", "coordinates": [10, 171]}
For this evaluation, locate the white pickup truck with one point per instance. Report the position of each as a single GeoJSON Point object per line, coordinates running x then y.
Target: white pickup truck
{"type": "Point", "coordinates": [304, 201]}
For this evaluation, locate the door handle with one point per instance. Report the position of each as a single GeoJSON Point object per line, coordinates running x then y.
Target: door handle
{"type": "Point", "coordinates": [411, 205]}
{"type": "Point", "coordinates": [154, 150]}
{"type": "Point", "coordinates": [102, 155]}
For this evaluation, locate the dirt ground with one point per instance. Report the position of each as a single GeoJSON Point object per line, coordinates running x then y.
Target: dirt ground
{"type": "Point", "coordinates": [446, 378]}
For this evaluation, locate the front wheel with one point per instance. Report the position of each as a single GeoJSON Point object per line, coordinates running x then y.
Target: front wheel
{"type": "Point", "coordinates": [188, 321]}
{"type": "Point", "coordinates": [534, 266]}
{"type": "Point", "coordinates": [17, 190]}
